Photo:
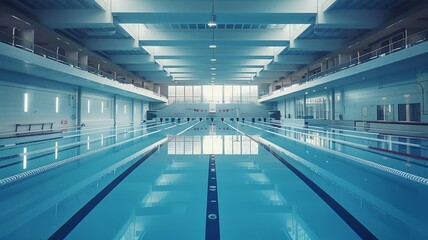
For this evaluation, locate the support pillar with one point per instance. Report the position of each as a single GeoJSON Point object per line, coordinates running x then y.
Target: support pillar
{"type": "Point", "coordinates": [114, 110]}
{"type": "Point", "coordinates": [333, 105]}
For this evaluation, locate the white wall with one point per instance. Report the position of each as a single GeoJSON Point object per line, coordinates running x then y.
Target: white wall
{"type": "Point", "coordinates": [359, 101]}
{"type": "Point", "coordinates": [123, 110]}
{"type": "Point", "coordinates": [41, 103]}
{"type": "Point", "coordinates": [42, 95]}
{"type": "Point", "coordinates": [96, 115]}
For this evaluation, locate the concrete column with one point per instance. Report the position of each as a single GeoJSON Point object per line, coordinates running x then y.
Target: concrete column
{"type": "Point", "coordinates": [72, 57]}
{"type": "Point", "coordinates": [133, 111]}
{"type": "Point", "coordinates": [83, 61]}
{"type": "Point", "coordinates": [305, 113]}
{"type": "Point", "coordinates": [79, 106]}
{"type": "Point", "coordinates": [333, 105]}
{"type": "Point", "coordinates": [115, 110]}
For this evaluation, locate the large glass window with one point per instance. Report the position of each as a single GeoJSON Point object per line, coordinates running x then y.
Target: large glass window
{"type": "Point", "coordinates": [228, 94]}
{"type": "Point", "coordinates": [179, 94]}
{"type": "Point", "coordinates": [236, 94]}
{"type": "Point", "coordinates": [188, 92]}
{"type": "Point", "coordinates": [213, 94]}
{"type": "Point", "coordinates": [207, 93]}
{"type": "Point", "coordinates": [217, 94]}
{"type": "Point", "coordinates": [197, 94]}
{"type": "Point", "coordinates": [171, 94]}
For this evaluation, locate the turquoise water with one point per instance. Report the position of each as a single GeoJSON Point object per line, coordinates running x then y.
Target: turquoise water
{"type": "Point", "coordinates": [269, 183]}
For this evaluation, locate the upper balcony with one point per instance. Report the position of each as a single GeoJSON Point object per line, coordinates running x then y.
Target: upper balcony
{"type": "Point", "coordinates": [20, 55]}
{"type": "Point", "coordinates": [412, 49]}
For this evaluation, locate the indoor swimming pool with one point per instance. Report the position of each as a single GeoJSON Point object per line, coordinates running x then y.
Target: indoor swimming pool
{"type": "Point", "coordinates": [213, 180]}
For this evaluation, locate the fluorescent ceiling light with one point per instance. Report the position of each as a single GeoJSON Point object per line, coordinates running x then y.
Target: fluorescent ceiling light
{"type": "Point", "coordinates": [213, 46]}
{"type": "Point", "coordinates": [213, 59]}
{"type": "Point", "coordinates": [213, 68]}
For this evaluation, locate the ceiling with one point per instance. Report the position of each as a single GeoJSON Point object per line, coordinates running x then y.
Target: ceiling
{"type": "Point", "coordinates": [256, 41]}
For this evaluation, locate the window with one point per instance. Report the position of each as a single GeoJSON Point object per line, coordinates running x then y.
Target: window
{"type": "Point", "coordinates": [171, 94]}
{"type": "Point", "coordinates": [207, 93]}
{"type": "Point", "coordinates": [197, 94]}
{"type": "Point", "coordinates": [217, 94]}
{"type": "Point", "coordinates": [409, 112]}
{"type": "Point", "coordinates": [384, 113]}
{"type": "Point", "coordinates": [89, 106]}
{"type": "Point", "coordinates": [179, 94]}
{"type": "Point", "coordinates": [124, 109]}
{"type": "Point", "coordinates": [188, 94]}
{"type": "Point", "coordinates": [236, 94]}
{"type": "Point", "coordinates": [213, 94]}
{"type": "Point", "coordinates": [228, 94]}
{"type": "Point", "coordinates": [245, 93]}
{"type": "Point", "coordinates": [254, 92]}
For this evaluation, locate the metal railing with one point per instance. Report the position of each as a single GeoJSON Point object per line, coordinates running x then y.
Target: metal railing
{"type": "Point", "coordinates": [21, 43]}
{"type": "Point", "coordinates": [393, 47]}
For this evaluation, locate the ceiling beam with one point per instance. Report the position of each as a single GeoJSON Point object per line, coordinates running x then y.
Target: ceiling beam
{"type": "Point", "coordinates": [227, 11]}
{"type": "Point", "coordinates": [317, 44]}
{"type": "Point", "coordinates": [282, 67]}
{"type": "Point", "coordinates": [351, 19]}
{"type": "Point", "coordinates": [75, 18]}
{"type": "Point", "coordinates": [111, 44]}
{"type": "Point", "coordinates": [203, 38]}
{"type": "Point", "coordinates": [294, 59]}
{"type": "Point", "coordinates": [132, 59]}
{"type": "Point", "coordinates": [151, 66]}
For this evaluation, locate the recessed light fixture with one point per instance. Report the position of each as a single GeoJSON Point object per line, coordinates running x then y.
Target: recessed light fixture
{"type": "Point", "coordinates": [212, 46]}
{"type": "Point", "coordinates": [213, 78]}
{"type": "Point", "coordinates": [59, 39]}
{"type": "Point", "coordinates": [213, 74]}
{"type": "Point", "coordinates": [213, 68]}
{"type": "Point", "coordinates": [213, 60]}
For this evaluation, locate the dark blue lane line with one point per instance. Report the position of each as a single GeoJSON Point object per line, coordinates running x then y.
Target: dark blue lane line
{"type": "Point", "coordinates": [212, 227]}
{"type": "Point", "coordinates": [352, 222]}
{"type": "Point", "coordinates": [390, 156]}
{"type": "Point", "coordinates": [356, 225]}
{"type": "Point", "coordinates": [65, 229]}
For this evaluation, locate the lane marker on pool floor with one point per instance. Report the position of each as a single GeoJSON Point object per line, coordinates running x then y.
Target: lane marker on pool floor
{"type": "Point", "coordinates": [69, 226]}
{"type": "Point", "coordinates": [212, 227]}
{"type": "Point", "coordinates": [362, 231]}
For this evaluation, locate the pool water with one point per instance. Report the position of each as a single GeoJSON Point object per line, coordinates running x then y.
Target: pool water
{"type": "Point", "coordinates": [215, 180]}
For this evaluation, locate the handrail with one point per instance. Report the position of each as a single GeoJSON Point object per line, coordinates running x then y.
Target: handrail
{"type": "Point", "coordinates": [56, 56]}
{"type": "Point", "coordinates": [393, 47]}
